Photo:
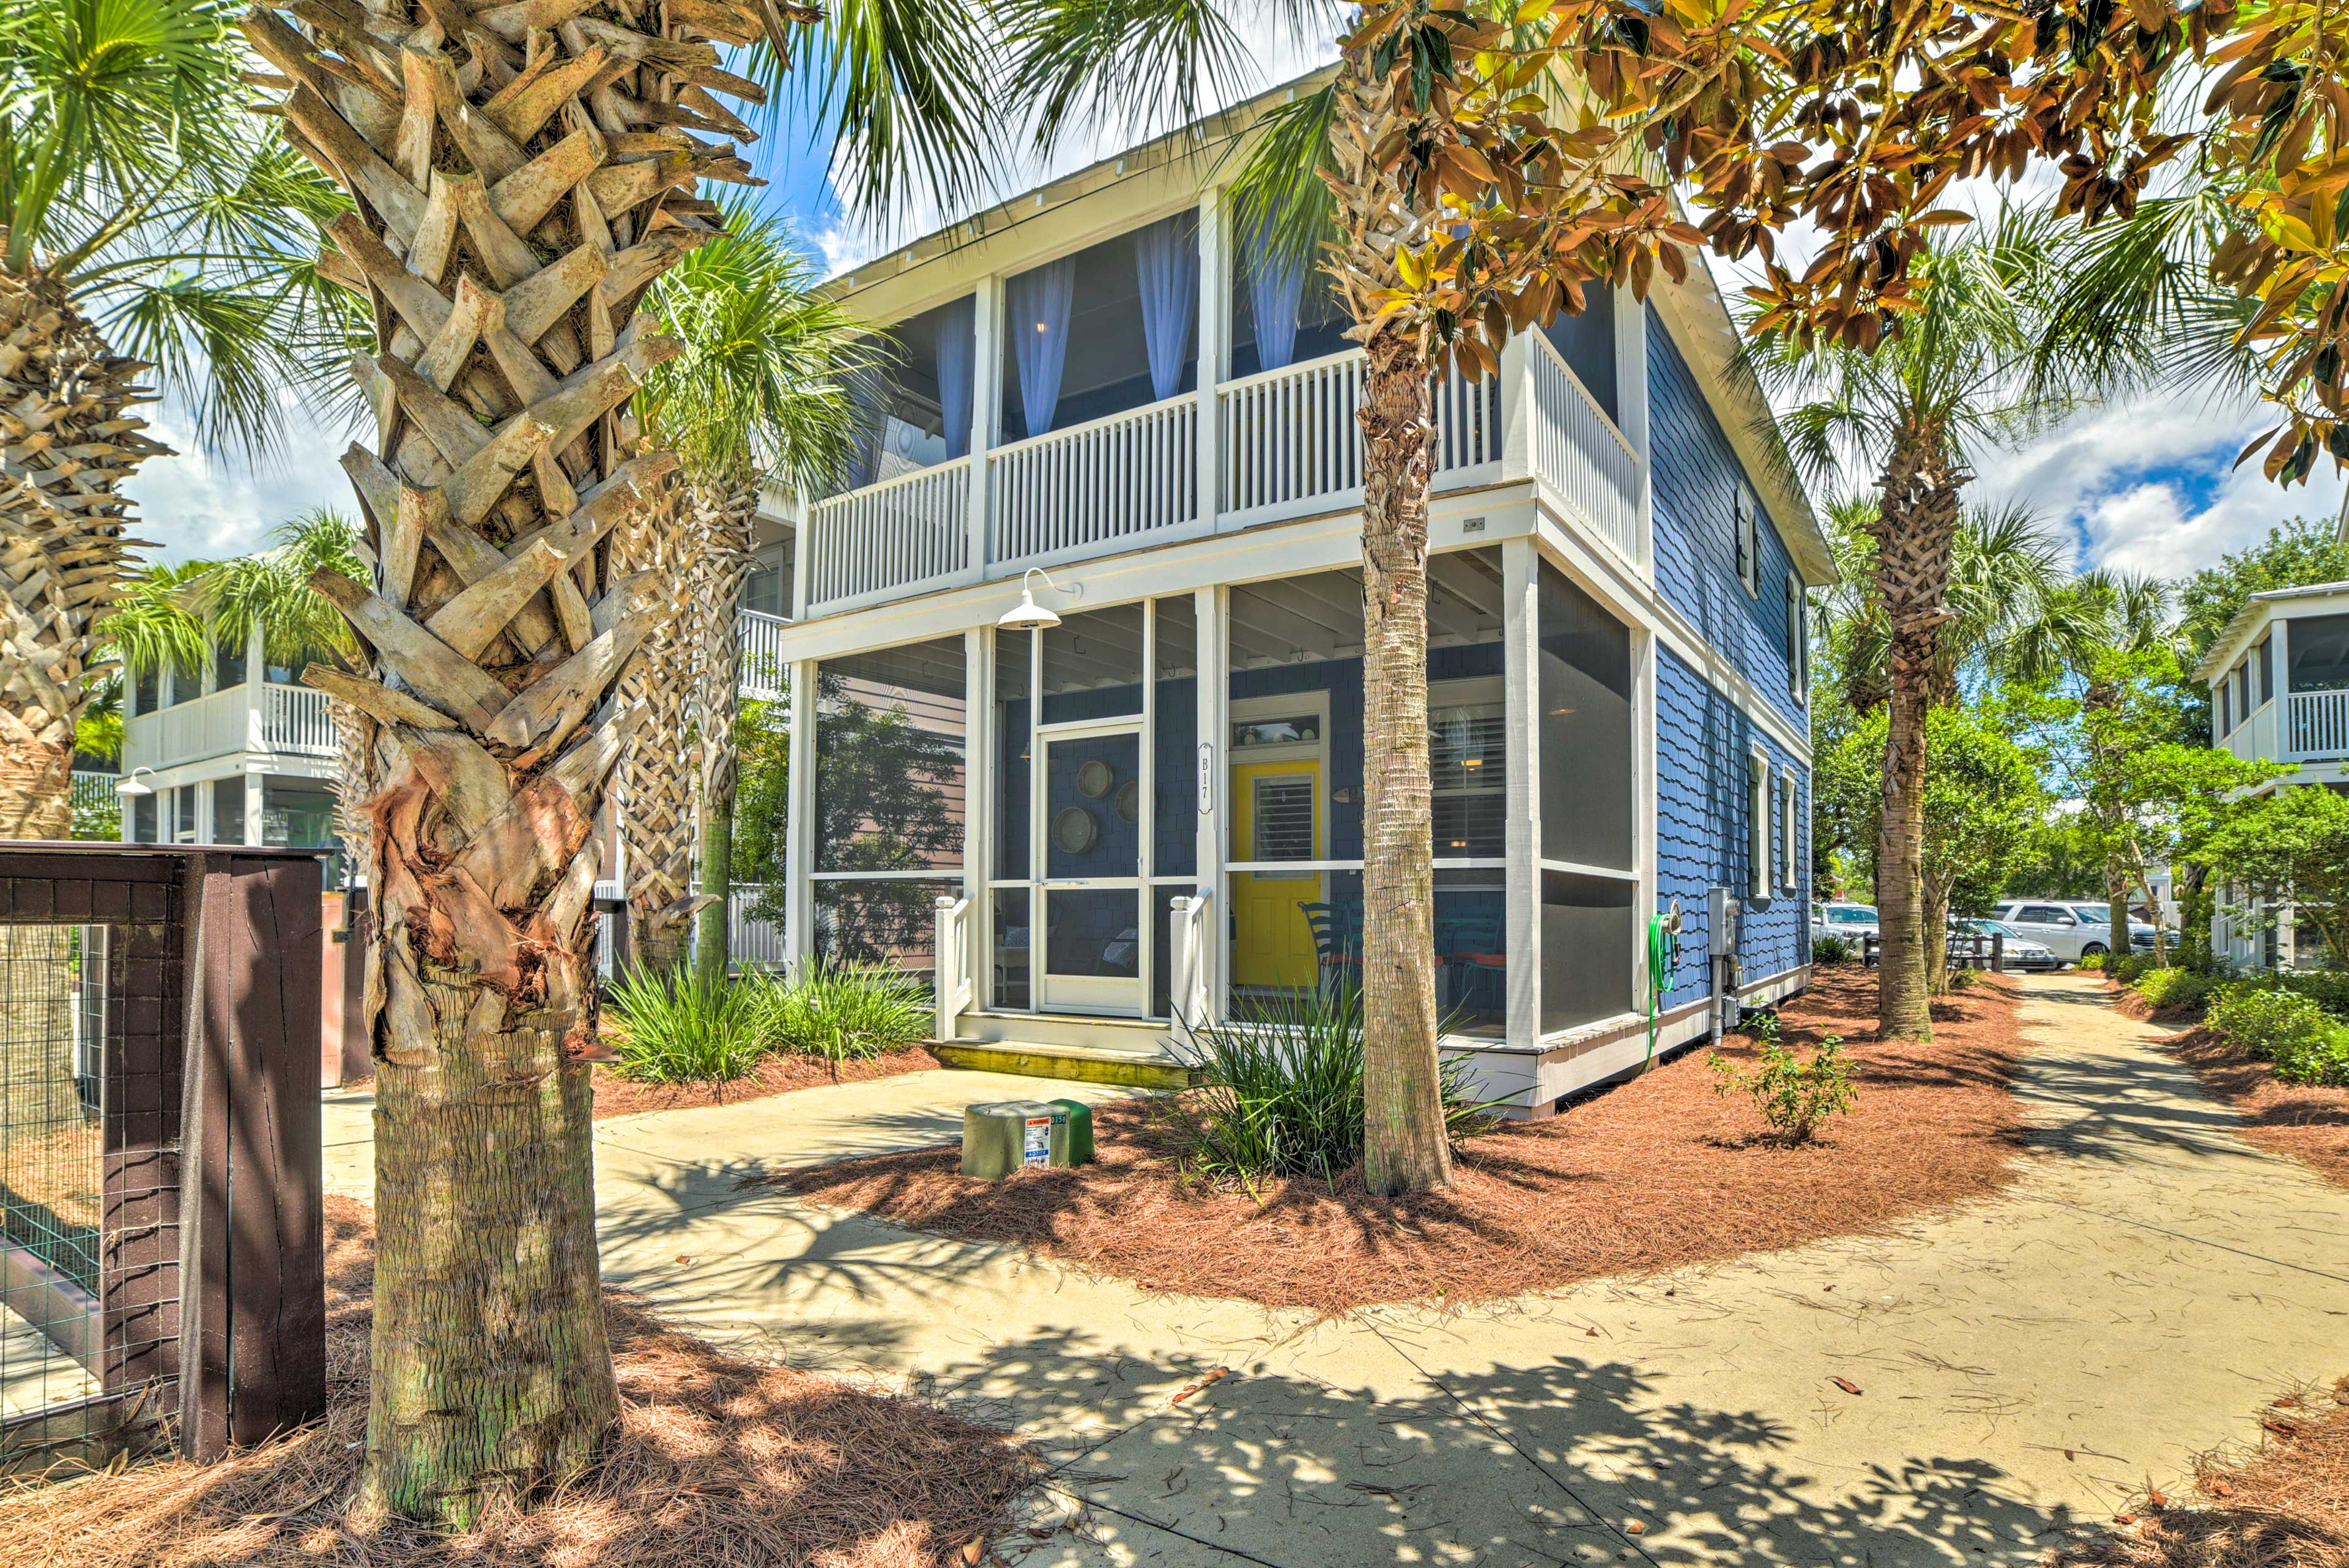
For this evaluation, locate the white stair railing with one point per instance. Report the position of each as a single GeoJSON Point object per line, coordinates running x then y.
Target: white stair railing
{"type": "Point", "coordinates": [895, 534]}
{"type": "Point", "coordinates": [1190, 962]}
{"type": "Point", "coordinates": [952, 980]}
{"type": "Point", "coordinates": [1579, 454]}
{"type": "Point", "coordinates": [1073, 491]}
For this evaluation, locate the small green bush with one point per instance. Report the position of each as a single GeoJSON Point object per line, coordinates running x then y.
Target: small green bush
{"type": "Point", "coordinates": [2167, 988]}
{"type": "Point", "coordinates": [2307, 1045]}
{"type": "Point", "coordinates": [2128, 968]}
{"type": "Point", "coordinates": [2328, 987]}
{"type": "Point", "coordinates": [2323, 1062]}
{"type": "Point", "coordinates": [688, 1026]}
{"type": "Point", "coordinates": [1832, 949]}
{"type": "Point", "coordinates": [1283, 1095]}
{"type": "Point", "coordinates": [1793, 1096]}
{"type": "Point", "coordinates": [848, 1012]}
{"type": "Point", "coordinates": [2090, 961]}
{"type": "Point", "coordinates": [1961, 978]}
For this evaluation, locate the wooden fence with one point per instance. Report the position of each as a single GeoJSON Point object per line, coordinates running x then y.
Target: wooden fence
{"type": "Point", "coordinates": [161, 1269]}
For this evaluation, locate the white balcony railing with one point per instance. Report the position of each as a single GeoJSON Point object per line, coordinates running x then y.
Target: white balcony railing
{"type": "Point", "coordinates": [897, 534]}
{"type": "Point", "coordinates": [1579, 454]}
{"type": "Point", "coordinates": [1078, 491]}
{"type": "Point", "coordinates": [1290, 441]}
{"type": "Point", "coordinates": [294, 719]}
{"type": "Point", "coordinates": [759, 647]}
{"type": "Point", "coordinates": [2319, 725]}
{"type": "Point", "coordinates": [1287, 445]}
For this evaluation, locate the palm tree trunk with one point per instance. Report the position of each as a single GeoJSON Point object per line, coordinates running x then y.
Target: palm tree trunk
{"type": "Point", "coordinates": [1937, 938]}
{"type": "Point", "coordinates": [504, 237]}
{"type": "Point", "coordinates": [1404, 1147]}
{"type": "Point", "coordinates": [1915, 528]}
{"type": "Point", "coordinates": [68, 444]}
{"type": "Point", "coordinates": [728, 517]}
{"type": "Point", "coordinates": [655, 772]}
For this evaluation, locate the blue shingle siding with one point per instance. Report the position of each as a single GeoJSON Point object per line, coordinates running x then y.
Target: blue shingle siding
{"type": "Point", "coordinates": [1703, 838]}
{"type": "Point", "coordinates": [1696, 475]}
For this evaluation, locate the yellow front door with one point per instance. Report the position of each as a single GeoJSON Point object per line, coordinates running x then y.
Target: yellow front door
{"type": "Point", "coordinates": [1275, 816]}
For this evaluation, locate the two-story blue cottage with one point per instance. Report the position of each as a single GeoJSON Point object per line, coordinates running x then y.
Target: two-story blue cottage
{"type": "Point", "coordinates": [1075, 669]}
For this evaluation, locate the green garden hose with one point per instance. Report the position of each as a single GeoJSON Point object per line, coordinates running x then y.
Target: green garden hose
{"type": "Point", "coordinates": [1660, 959]}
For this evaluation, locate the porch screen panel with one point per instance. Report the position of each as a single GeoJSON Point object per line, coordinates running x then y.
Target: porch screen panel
{"type": "Point", "coordinates": [1586, 949]}
{"type": "Point", "coordinates": [1174, 767]}
{"type": "Point", "coordinates": [2320, 653]}
{"type": "Point", "coordinates": [1586, 728]}
{"type": "Point", "coordinates": [889, 800]}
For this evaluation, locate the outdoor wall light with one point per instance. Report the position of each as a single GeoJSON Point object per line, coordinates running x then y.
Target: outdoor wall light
{"type": "Point", "coordinates": [1029, 616]}
{"type": "Point", "coordinates": [130, 788]}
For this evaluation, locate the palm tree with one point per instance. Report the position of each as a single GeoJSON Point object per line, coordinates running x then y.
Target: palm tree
{"type": "Point", "coordinates": [1967, 370]}
{"type": "Point", "coordinates": [147, 225]}
{"type": "Point", "coordinates": [761, 388]}
{"type": "Point", "coordinates": [2016, 612]}
{"type": "Point", "coordinates": [523, 188]}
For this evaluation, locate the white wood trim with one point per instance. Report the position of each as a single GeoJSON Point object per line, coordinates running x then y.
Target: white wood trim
{"type": "Point", "coordinates": [799, 821]}
{"type": "Point", "coordinates": [1631, 417]}
{"type": "Point", "coordinates": [1214, 607]}
{"type": "Point", "coordinates": [986, 407]}
{"type": "Point", "coordinates": [1522, 833]}
{"type": "Point", "coordinates": [1214, 348]}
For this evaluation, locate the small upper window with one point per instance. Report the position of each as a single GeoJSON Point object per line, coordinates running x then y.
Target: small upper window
{"type": "Point", "coordinates": [1749, 542]}
{"type": "Point", "coordinates": [1798, 643]}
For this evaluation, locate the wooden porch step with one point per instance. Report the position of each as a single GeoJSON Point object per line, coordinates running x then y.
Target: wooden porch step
{"type": "Point", "coordinates": [1079, 1064]}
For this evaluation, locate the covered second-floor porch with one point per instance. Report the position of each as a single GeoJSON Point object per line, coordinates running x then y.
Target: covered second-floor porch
{"type": "Point", "coordinates": [2279, 679]}
{"type": "Point", "coordinates": [1164, 382]}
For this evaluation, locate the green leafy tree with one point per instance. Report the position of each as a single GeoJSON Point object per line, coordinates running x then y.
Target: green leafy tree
{"type": "Point", "coordinates": [2291, 843]}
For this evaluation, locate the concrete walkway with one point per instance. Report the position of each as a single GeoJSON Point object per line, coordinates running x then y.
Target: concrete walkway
{"type": "Point", "coordinates": [2021, 1363]}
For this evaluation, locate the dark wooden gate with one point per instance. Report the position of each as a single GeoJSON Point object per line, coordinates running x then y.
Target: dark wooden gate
{"type": "Point", "coordinates": [160, 1262]}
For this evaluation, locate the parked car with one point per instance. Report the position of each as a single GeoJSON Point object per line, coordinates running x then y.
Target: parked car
{"type": "Point", "coordinates": [2070, 930]}
{"type": "Point", "coordinates": [2015, 949]}
{"type": "Point", "coordinates": [1849, 921]}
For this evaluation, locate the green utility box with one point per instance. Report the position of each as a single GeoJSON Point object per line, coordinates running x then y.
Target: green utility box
{"type": "Point", "coordinates": [1003, 1135]}
{"type": "Point", "coordinates": [1081, 1129]}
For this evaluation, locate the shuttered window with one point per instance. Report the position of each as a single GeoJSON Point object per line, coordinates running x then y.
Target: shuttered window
{"type": "Point", "coordinates": [1281, 827]}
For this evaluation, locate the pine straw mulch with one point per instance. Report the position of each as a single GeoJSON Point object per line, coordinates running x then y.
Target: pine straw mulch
{"type": "Point", "coordinates": [1655, 1173]}
{"type": "Point", "coordinates": [718, 1462]}
{"type": "Point", "coordinates": [2284, 1504]}
{"type": "Point", "coordinates": [2306, 1122]}
{"type": "Point", "coordinates": [779, 1072]}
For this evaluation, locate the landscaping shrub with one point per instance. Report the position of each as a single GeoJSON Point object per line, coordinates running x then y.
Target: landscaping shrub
{"type": "Point", "coordinates": [1833, 949]}
{"type": "Point", "coordinates": [2176, 987]}
{"type": "Point", "coordinates": [2090, 961]}
{"type": "Point", "coordinates": [853, 1012]}
{"type": "Point", "coordinates": [1793, 1096]}
{"type": "Point", "coordinates": [1283, 1095]}
{"type": "Point", "coordinates": [689, 1025]}
{"type": "Point", "coordinates": [2306, 1044]}
{"type": "Point", "coordinates": [2128, 968]}
{"type": "Point", "coordinates": [2328, 987]}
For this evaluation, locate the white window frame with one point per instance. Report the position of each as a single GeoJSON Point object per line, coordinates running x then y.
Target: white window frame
{"type": "Point", "coordinates": [1798, 639]}
{"type": "Point", "coordinates": [1758, 825]}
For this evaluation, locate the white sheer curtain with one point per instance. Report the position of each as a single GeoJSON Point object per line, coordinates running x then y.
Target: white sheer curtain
{"type": "Point", "coordinates": [1038, 304]}
{"type": "Point", "coordinates": [1166, 268]}
{"type": "Point", "coordinates": [956, 324]}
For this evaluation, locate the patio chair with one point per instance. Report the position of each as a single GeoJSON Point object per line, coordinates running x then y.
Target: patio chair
{"type": "Point", "coordinates": [1337, 941]}
{"type": "Point", "coordinates": [1469, 948]}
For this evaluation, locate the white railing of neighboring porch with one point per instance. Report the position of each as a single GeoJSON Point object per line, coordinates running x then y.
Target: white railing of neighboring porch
{"type": "Point", "coordinates": [296, 720]}
{"type": "Point", "coordinates": [1074, 490]}
{"type": "Point", "coordinates": [750, 942]}
{"type": "Point", "coordinates": [2320, 723]}
{"type": "Point", "coordinates": [952, 984]}
{"type": "Point", "coordinates": [1579, 454]}
{"type": "Point", "coordinates": [895, 534]}
{"type": "Point", "coordinates": [759, 651]}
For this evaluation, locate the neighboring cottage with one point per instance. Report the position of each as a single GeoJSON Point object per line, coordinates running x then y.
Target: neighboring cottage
{"type": "Point", "coordinates": [1140, 796]}
{"type": "Point", "coordinates": [2279, 681]}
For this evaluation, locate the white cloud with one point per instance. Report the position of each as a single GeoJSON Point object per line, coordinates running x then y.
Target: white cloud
{"type": "Point", "coordinates": [200, 506]}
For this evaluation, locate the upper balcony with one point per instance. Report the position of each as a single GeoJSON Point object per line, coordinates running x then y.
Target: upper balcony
{"type": "Point", "coordinates": [1154, 387]}
{"type": "Point", "coordinates": [2279, 678]}
{"type": "Point", "coordinates": [240, 707]}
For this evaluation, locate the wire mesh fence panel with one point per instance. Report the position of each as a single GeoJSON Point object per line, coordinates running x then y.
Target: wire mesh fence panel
{"type": "Point", "coordinates": [91, 1035]}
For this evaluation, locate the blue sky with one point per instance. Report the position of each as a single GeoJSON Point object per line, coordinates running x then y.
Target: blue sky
{"type": "Point", "coordinates": [2145, 484]}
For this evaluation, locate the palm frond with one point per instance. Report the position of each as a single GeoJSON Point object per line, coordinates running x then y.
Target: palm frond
{"type": "Point", "coordinates": [1282, 207]}
{"type": "Point", "coordinates": [898, 91]}
{"type": "Point", "coordinates": [1126, 63]}
{"type": "Point", "coordinates": [151, 629]}
{"type": "Point", "coordinates": [270, 593]}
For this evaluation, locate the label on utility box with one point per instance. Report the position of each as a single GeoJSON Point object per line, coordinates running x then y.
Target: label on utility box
{"type": "Point", "coordinates": [1036, 1141]}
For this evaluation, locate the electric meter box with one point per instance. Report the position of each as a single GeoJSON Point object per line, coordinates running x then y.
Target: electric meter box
{"type": "Point", "coordinates": [1000, 1136]}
